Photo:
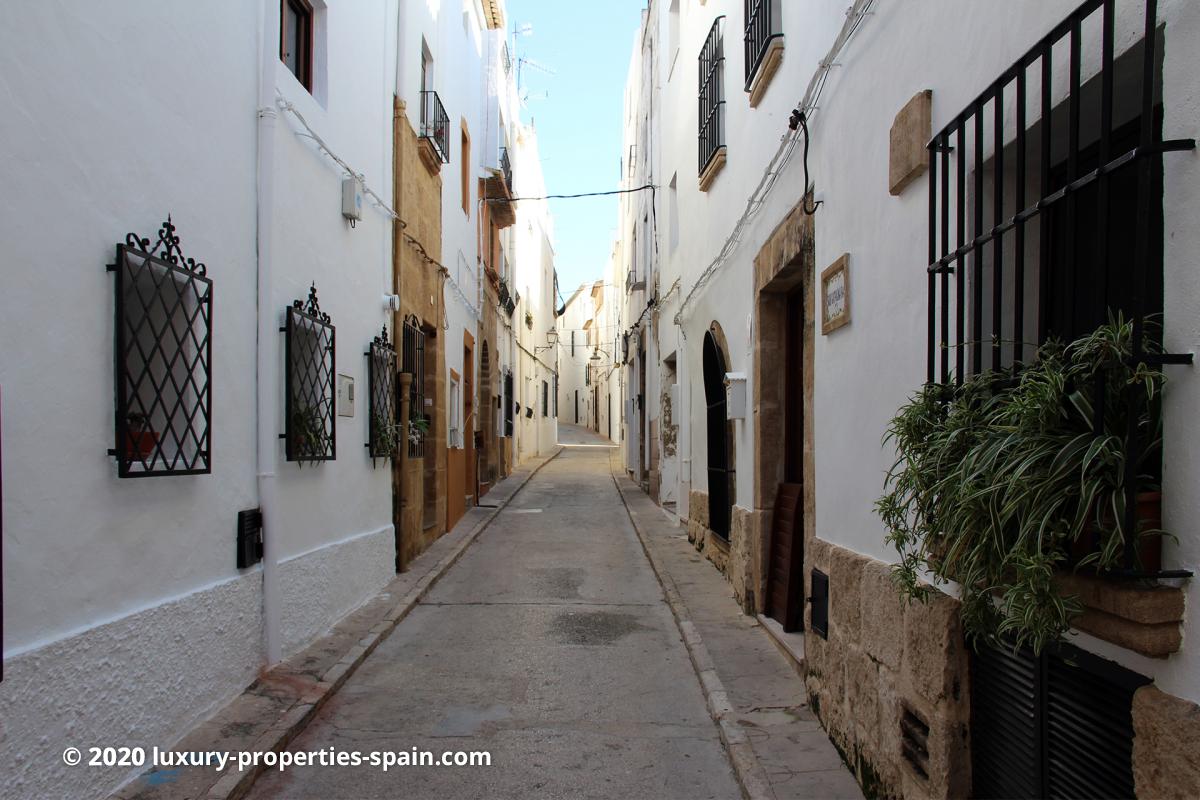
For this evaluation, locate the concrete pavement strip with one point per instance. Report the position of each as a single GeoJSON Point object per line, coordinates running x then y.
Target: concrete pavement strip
{"type": "Point", "coordinates": [763, 709]}
{"type": "Point", "coordinates": [269, 714]}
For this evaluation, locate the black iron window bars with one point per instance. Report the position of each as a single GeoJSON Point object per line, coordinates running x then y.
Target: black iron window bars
{"type": "Point", "coordinates": [1086, 243]}
{"type": "Point", "coordinates": [383, 432]}
{"type": "Point", "coordinates": [712, 94]}
{"type": "Point", "coordinates": [762, 28]}
{"type": "Point", "coordinates": [414, 364]}
{"type": "Point", "coordinates": [311, 433]}
{"type": "Point", "coordinates": [435, 125]}
{"type": "Point", "coordinates": [163, 359]}
{"type": "Point", "coordinates": [506, 169]}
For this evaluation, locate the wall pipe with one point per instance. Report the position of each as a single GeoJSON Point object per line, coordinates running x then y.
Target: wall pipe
{"type": "Point", "coordinates": [268, 331]}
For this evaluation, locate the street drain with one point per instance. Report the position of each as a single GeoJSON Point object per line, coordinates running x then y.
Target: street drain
{"type": "Point", "coordinates": [593, 627]}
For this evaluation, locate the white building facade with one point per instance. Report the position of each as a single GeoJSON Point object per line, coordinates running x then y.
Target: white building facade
{"type": "Point", "coordinates": [795, 328]}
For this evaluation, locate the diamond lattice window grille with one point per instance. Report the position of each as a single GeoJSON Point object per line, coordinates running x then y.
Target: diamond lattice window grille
{"type": "Point", "coordinates": [383, 434]}
{"type": "Point", "coordinates": [163, 359]}
{"type": "Point", "coordinates": [311, 434]}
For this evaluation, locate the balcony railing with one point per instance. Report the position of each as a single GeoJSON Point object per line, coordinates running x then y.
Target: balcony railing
{"type": "Point", "coordinates": [506, 168]}
{"type": "Point", "coordinates": [435, 125]}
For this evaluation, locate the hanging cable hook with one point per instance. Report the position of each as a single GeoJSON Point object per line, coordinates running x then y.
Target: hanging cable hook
{"type": "Point", "coordinates": [800, 119]}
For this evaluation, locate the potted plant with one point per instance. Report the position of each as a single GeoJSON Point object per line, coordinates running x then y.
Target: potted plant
{"type": "Point", "coordinates": [418, 426]}
{"type": "Point", "coordinates": [310, 440]}
{"type": "Point", "coordinates": [529, 320]}
{"type": "Point", "coordinates": [1013, 476]}
{"type": "Point", "coordinates": [140, 439]}
{"type": "Point", "coordinates": [385, 436]}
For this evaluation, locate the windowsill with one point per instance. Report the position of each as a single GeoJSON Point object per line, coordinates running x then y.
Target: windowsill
{"type": "Point", "coordinates": [715, 165]}
{"type": "Point", "coordinates": [1144, 620]}
{"type": "Point", "coordinates": [766, 70]}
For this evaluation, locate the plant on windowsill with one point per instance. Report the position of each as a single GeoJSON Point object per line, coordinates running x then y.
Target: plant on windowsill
{"type": "Point", "coordinates": [418, 426]}
{"type": "Point", "coordinates": [1003, 481]}
{"type": "Point", "coordinates": [385, 436]}
{"type": "Point", "coordinates": [140, 439]}
{"type": "Point", "coordinates": [310, 440]}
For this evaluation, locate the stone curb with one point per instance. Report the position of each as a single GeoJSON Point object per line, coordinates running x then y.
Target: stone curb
{"type": "Point", "coordinates": [235, 785]}
{"type": "Point", "coordinates": [749, 771]}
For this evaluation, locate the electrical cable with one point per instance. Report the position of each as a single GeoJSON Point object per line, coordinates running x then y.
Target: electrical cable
{"type": "Point", "coordinates": [787, 143]}
{"type": "Point", "coordinates": [568, 196]}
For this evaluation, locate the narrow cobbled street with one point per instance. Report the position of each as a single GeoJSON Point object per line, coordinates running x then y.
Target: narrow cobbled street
{"type": "Point", "coordinates": [548, 645]}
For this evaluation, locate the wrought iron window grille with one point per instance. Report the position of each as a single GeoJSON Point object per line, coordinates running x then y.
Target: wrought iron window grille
{"type": "Point", "coordinates": [712, 94]}
{"type": "Point", "coordinates": [162, 358]}
{"type": "Point", "coordinates": [435, 124]}
{"type": "Point", "coordinates": [383, 433]}
{"type": "Point", "coordinates": [414, 364]}
{"type": "Point", "coordinates": [1087, 161]}
{"type": "Point", "coordinates": [506, 168]}
{"type": "Point", "coordinates": [762, 28]}
{"type": "Point", "coordinates": [309, 395]}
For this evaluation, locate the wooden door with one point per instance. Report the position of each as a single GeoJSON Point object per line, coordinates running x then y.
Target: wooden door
{"type": "Point", "coordinates": [785, 567]}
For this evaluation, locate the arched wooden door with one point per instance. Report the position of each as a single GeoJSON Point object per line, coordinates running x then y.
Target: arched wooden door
{"type": "Point", "coordinates": [718, 442]}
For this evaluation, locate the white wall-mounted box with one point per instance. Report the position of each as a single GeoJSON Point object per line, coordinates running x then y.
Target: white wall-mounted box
{"type": "Point", "coordinates": [735, 395]}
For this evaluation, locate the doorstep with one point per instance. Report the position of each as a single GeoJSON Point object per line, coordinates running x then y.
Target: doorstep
{"type": "Point", "coordinates": [284, 699]}
{"type": "Point", "coordinates": [790, 644]}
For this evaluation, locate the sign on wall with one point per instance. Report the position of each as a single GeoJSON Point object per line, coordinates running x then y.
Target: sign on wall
{"type": "Point", "coordinates": [835, 294]}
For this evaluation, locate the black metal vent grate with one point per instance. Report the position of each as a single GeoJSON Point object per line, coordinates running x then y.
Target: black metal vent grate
{"type": "Point", "coordinates": [914, 741]}
{"type": "Point", "coordinates": [414, 364]}
{"type": "Point", "coordinates": [819, 613]}
{"type": "Point", "coordinates": [1051, 726]}
{"type": "Point", "coordinates": [382, 430]}
{"type": "Point", "coordinates": [163, 359]}
{"type": "Point", "coordinates": [311, 434]}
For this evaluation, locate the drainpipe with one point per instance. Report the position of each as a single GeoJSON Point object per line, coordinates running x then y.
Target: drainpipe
{"type": "Point", "coordinates": [268, 332]}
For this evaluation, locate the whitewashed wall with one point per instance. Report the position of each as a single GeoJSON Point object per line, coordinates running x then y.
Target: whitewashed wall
{"type": "Point", "coordinates": [956, 50]}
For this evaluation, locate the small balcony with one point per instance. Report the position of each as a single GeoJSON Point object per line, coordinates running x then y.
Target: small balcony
{"type": "Point", "coordinates": [499, 188]}
{"type": "Point", "coordinates": [435, 130]}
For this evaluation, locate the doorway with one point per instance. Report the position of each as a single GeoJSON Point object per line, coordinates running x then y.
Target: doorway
{"type": "Point", "coordinates": [719, 503]}
{"type": "Point", "coordinates": [785, 560]}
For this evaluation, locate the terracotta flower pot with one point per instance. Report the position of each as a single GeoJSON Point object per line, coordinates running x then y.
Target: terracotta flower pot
{"type": "Point", "coordinates": [140, 444]}
{"type": "Point", "coordinates": [1149, 548]}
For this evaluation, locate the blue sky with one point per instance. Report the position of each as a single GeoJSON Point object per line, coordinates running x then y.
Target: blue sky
{"type": "Point", "coordinates": [579, 121]}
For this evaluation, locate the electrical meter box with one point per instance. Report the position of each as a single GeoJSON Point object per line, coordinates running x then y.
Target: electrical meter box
{"type": "Point", "coordinates": [735, 395]}
{"type": "Point", "coordinates": [352, 199]}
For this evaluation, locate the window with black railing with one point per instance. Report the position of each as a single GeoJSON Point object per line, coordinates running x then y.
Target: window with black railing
{"type": "Point", "coordinates": [413, 363]}
{"type": "Point", "coordinates": [506, 168]}
{"type": "Point", "coordinates": [762, 31]}
{"type": "Point", "coordinates": [435, 125]}
{"type": "Point", "coordinates": [712, 94]}
{"type": "Point", "coordinates": [1046, 216]}
{"type": "Point", "coordinates": [163, 359]}
{"type": "Point", "coordinates": [309, 395]}
{"type": "Point", "coordinates": [384, 433]}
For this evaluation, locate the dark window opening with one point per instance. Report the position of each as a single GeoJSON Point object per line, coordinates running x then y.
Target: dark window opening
{"type": "Point", "coordinates": [309, 398]}
{"type": "Point", "coordinates": [762, 28]}
{"type": "Point", "coordinates": [163, 359]}
{"type": "Point", "coordinates": [413, 363]}
{"type": "Point", "coordinates": [712, 94]}
{"type": "Point", "coordinates": [1046, 210]}
{"type": "Point", "coordinates": [296, 40]}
